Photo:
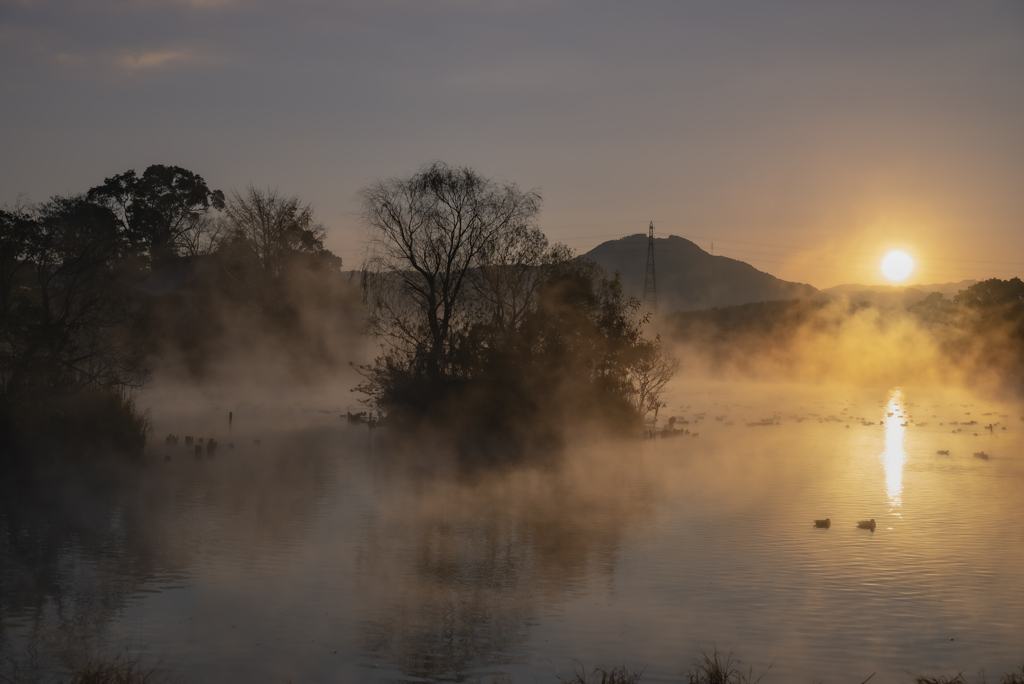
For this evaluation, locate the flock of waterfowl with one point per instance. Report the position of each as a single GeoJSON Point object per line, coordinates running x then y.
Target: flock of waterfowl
{"type": "Point", "coordinates": [846, 415]}
{"type": "Point", "coordinates": [675, 428]}
{"type": "Point", "coordinates": [210, 446]}
{"type": "Point", "coordinates": [861, 524]}
{"type": "Point", "coordinates": [900, 413]}
{"type": "Point", "coordinates": [367, 418]}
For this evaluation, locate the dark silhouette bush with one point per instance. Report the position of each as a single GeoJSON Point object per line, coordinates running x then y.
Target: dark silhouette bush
{"type": "Point", "coordinates": [491, 334]}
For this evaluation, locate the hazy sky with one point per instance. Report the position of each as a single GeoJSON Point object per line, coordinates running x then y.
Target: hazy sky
{"type": "Point", "coordinates": [806, 138]}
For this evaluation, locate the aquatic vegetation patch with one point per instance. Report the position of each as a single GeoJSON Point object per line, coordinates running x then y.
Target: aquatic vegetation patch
{"type": "Point", "coordinates": [121, 669]}
{"type": "Point", "coordinates": [721, 668]}
{"type": "Point", "coordinates": [601, 675]}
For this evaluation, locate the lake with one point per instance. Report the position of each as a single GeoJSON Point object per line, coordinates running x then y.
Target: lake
{"type": "Point", "coordinates": [325, 554]}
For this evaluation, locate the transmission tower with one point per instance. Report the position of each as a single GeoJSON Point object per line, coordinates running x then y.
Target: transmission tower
{"type": "Point", "coordinates": [650, 302]}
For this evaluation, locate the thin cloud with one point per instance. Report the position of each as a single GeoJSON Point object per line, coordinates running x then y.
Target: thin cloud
{"type": "Point", "coordinates": [129, 61]}
{"type": "Point", "coordinates": [121, 6]}
{"type": "Point", "coordinates": [152, 59]}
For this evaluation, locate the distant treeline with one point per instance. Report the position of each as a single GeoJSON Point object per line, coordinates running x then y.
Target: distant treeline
{"type": "Point", "coordinates": [485, 328]}
{"type": "Point", "coordinates": [95, 287]}
{"type": "Point", "coordinates": [980, 330]}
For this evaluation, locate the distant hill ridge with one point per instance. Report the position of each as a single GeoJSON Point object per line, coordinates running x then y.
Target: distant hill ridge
{"type": "Point", "coordinates": [895, 295]}
{"type": "Point", "coordinates": [689, 278]}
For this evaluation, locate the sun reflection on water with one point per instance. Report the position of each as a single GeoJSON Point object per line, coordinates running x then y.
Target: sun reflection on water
{"type": "Point", "coordinates": [895, 455]}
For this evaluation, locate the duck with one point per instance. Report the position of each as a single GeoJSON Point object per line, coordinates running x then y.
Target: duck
{"type": "Point", "coordinates": [944, 452]}
{"type": "Point", "coordinates": [827, 522]}
{"type": "Point", "coordinates": [867, 524]}
{"type": "Point", "coordinates": [981, 454]}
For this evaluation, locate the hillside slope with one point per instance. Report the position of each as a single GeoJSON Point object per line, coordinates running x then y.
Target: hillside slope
{"type": "Point", "coordinates": [688, 277]}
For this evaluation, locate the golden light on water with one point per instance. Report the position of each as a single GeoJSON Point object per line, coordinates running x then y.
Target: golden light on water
{"type": "Point", "coordinates": [897, 265]}
{"type": "Point", "coordinates": [895, 455]}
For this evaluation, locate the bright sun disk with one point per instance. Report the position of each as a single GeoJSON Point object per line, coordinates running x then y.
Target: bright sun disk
{"type": "Point", "coordinates": [897, 265]}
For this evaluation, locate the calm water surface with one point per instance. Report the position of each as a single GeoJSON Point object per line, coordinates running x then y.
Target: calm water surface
{"type": "Point", "coordinates": [321, 555]}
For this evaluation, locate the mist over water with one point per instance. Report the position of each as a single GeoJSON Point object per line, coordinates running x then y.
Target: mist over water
{"type": "Point", "coordinates": [329, 553]}
{"type": "Point", "coordinates": [465, 452]}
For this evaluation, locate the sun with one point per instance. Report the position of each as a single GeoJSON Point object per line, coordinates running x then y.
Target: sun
{"type": "Point", "coordinates": [896, 266]}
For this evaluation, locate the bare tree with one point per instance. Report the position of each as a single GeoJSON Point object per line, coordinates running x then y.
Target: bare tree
{"type": "Point", "coordinates": [427, 234]}
{"type": "Point", "coordinates": [274, 226]}
{"type": "Point", "coordinates": [203, 234]}
{"type": "Point", "coordinates": [648, 375]}
{"type": "Point", "coordinates": [512, 271]}
{"type": "Point", "coordinates": [473, 303]}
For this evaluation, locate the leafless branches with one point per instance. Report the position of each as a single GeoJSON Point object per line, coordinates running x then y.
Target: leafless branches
{"type": "Point", "coordinates": [427, 234]}
{"type": "Point", "coordinates": [274, 225]}
{"type": "Point", "coordinates": [649, 374]}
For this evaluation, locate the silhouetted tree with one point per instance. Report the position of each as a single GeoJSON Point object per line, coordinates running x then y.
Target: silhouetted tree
{"type": "Point", "coordinates": [63, 302]}
{"type": "Point", "coordinates": [992, 324]}
{"type": "Point", "coordinates": [427, 233]}
{"type": "Point", "coordinates": [158, 208]}
{"type": "Point", "coordinates": [991, 293]}
{"type": "Point", "coordinates": [17, 231]}
{"type": "Point", "coordinates": [584, 343]}
{"type": "Point", "coordinates": [204, 235]}
{"type": "Point", "coordinates": [512, 270]}
{"type": "Point", "coordinates": [275, 227]}
{"type": "Point", "coordinates": [650, 373]}
{"type": "Point", "coordinates": [483, 318]}
{"type": "Point", "coordinates": [66, 320]}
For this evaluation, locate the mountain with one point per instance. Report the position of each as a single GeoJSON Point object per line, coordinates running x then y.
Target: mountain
{"type": "Point", "coordinates": [690, 278]}
{"type": "Point", "coordinates": [947, 289]}
{"type": "Point", "coordinates": [895, 295]}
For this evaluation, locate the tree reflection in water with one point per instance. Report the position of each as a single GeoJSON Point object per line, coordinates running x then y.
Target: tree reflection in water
{"type": "Point", "coordinates": [79, 545]}
{"type": "Point", "coordinates": [454, 573]}
{"type": "Point", "coordinates": [450, 570]}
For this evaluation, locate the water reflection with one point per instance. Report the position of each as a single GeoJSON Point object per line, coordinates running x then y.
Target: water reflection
{"type": "Point", "coordinates": [80, 545]}
{"type": "Point", "coordinates": [895, 455]}
{"type": "Point", "coordinates": [479, 559]}
{"type": "Point", "coordinates": [316, 558]}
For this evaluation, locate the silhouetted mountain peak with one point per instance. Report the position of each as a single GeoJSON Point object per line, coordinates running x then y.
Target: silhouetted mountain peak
{"type": "Point", "coordinates": [687, 277]}
{"type": "Point", "coordinates": [639, 241]}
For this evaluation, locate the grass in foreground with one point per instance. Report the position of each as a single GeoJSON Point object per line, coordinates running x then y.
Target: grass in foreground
{"type": "Point", "coordinates": [720, 668]}
{"type": "Point", "coordinates": [599, 675]}
{"type": "Point", "coordinates": [714, 668]}
{"type": "Point", "coordinates": [1015, 677]}
{"type": "Point", "coordinates": [121, 669]}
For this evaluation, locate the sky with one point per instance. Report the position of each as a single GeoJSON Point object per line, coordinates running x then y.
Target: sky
{"type": "Point", "coordinates": [806, 138]}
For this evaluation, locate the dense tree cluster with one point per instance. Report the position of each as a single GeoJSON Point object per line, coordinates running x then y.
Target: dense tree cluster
{"type": "Point", "coordinates": [982, 325]}
{"type": "Point", "coordinates": [158, 211]}
{"type": "Point", "coordinates": [486, 326]}
{"type": "Point", "coordinates": [483, 322]}
{"type": "Point", "coordinates": [93, 287]}
{"type": "Point", "coordinates": [67, 325]}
